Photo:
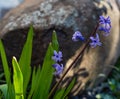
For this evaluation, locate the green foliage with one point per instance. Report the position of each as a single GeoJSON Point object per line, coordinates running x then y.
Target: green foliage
{"type": "Point", "coordinates": [69, 88]}
{"type": "Point", "coordinates": [55, 43]}
{"type": "Point", "coordinates": [17, 79]}
{"type": "Point", "coordinates": [25, 59]}
{"type": "Point", "coordinates": [5, 64]}
{"type": "Point", "coordinates": [3, 89]}
{"type": "Point", "coordinates": [7, 89]}
{"type": "Point", "coordinates": [35, 79]}
{"type": "Point", "coordinates": [61, 94]}
{"type": "Point", "coordinates": [45, 77]}
{"type": "Point", "coordinates": [113, 82]}
{"type": "Point", "coordinates": [38, 87]}
{"type": "Point", "coordinates": [104, 96]}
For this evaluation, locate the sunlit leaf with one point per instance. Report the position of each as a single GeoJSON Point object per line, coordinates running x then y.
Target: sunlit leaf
{"type": "Point", "coordinates": [17, 79]}
{"type": "Point", "coordinates": [46, 76]}
{"type": "Point", "coordinates": [25, 59]}
{"type": "Point", "coordinates": [55, 43]}
{"type": "Point", "coordinates": [59, 94]}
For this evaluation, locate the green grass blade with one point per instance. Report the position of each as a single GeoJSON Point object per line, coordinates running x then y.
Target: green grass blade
{"type": "Point", "coordinates": [59, 94]}
{"type": "Point", "coordinates": [5, 63]}
{"type": "Point", "coordinates": [55, 43]}
{"type": "Point", "coordinates": [68, 89]}
{"type": "Point", "coordinates": [25, 59]}
{"type": "Point", "coordinates": [33, 84]}
{"type": "Point", "coordinates": [35, 81]}
{"type": "Point", "coordinates": [62, 94]}
{"type": "Point", "coordinates": [10, 92]}
{"type": "Point", "coordinates": [4, 89]}
{"type": "Point", "coordinates": [17, 79]}
{"type": "Point", "coordinates": [46, 76]}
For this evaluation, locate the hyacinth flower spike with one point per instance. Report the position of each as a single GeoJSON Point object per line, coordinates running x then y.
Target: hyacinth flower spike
{"type": "Point", "coordinates": [57, 57]}
{"type": "Point", "coordinates": [77, 36]}
{"type": "Point", "coordinates": [105, 25]}
{"type": "Point", "coordinates": [95, 41]}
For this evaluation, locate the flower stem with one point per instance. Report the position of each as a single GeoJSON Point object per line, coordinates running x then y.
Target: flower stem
{"type": "Point", "coordinates": [74, 62]}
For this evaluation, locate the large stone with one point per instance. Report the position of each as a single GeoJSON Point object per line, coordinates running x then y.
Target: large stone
{"type": "Point", "coordinates": [6, 5]}
{"type": "Point", "coordinates": [65, 16]}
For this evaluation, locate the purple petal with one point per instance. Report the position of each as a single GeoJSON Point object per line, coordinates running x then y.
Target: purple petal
{"type": "Point", "coordinates": [58, 68]}
{"type": "Point", "coordinates": [99, 43]}
{"type": "Point", "coordinates": [92, 38]}
{"type": "Point", "coordinates": [97, 37]}
{"type": "Point", "coordinates": [77, 36]}
{"type": "Point", "coordinates": [95, 41]}
{"type": "Point", "coordinates": [57, 57]}
{"type": "Point", "coordinates": [93, 45]}
{"type": "Point", "coordinates": [55, 52]}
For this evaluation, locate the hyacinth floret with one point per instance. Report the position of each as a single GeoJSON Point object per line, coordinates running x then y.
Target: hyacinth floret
{"type": "Point", "coordinates": [57, 57]}
{"type": "Point", "coordinates": [95, 41]}
{"type": "Point", "coordinates": [105, 25]}
{"type": "Point", "coordinates": [77, 36]}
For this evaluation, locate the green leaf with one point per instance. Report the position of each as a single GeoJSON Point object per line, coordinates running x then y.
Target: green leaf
{"type": "Point", "coordinates": [35, 83]}
{"type": "Point", "coordinates": [4, 89]}
{"type": "Point", "coordinates": [112, 84]}
{"type": "Point", "coordinates": [45, 77]}
{"type": "Point", "coordinates": [10, 92]}
{"type": "Point", "coordinates": [62, 94]}
{"type": "Point", "coordinates": [55, 43]}
{"type": "Point", "coordinates": [98, 96]}
{"type": "Point", "coordinates": [5, 63]}
{"type": "Point", "coordinates": [17, 79]}
{"type": "Point", "coordinates": [59, 94]}
{"type": "Point", "coordinates": [68, 89]}
{"type": "Point", "coordinates": [25, 59]}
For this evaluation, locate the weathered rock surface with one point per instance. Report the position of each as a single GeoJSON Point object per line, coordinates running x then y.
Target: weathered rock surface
{"type": "Point", "coordinates": [65, 16]}
{"type": "Point", "coordinates": [6, 5]}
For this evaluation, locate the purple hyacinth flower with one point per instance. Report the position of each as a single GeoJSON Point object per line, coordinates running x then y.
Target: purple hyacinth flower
{"type": "Point", "coordinates": [58, 68]}
{"type": "Point", "coordinates": [77, 36]}
{"type": "Point", "coordinates": [57, 57]}
{"type": "Point", "coordinates": [95, 41]}
{"type": "Point", "coordinates": [105, 25]}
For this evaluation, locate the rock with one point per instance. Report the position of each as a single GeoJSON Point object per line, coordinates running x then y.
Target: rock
{"type": "Point", "coordinates": [5, 6]}
{"type": "Point", "coordinates": [66, 17]}
{"type": "Point", "coordinates": [3, 12]}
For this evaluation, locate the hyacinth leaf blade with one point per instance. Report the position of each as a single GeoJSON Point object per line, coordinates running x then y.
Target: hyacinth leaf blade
{"type": "Point", "coordinates": [62, 93]}
{"type": "Point", "coordinates": [47, 70]}
{"type": "Point", "coordinates": [3, 89]}
{"type": "Point", "coordinates": [68, 89]}
{"type": "Point", "coordinates": [25, 59]}
{"type": "Point", "coordinates": [35, 80]}
{"type": "Point", "coordinates": [17, 79]}
{"type": "Point", "coordinates": [10, 90]}
{"type": "Point", "coordinates": [46, 76]}
{"type": "Point", "coordinates": [5, 63]}
{"type": "Point", "coordinates": [59, 94]}
{"type": "Point", "coordinates": [55, 43]}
